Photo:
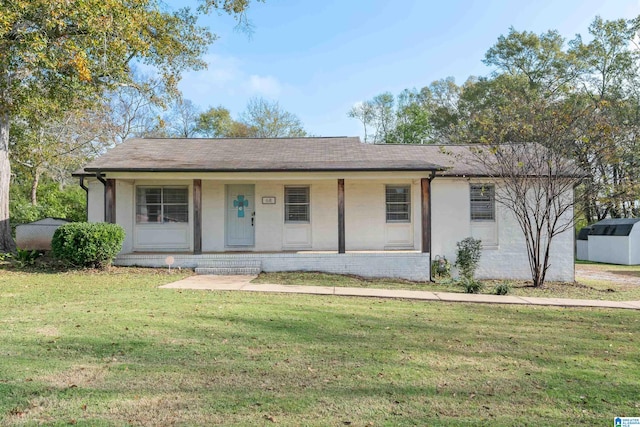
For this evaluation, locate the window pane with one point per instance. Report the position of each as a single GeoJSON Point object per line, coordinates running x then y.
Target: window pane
{"type": "Point", "coordinates": [397, 194]}
{"type": "Point", "coordinates": [176, 213]}
{"type": "Point", "coordinates": [149, 195]}
{"type": "Point", "coordinates": [398, 201]}
{"type": "Point", "coordinates": [148, 213]}
{"type": "Point", "coordinates": [296, 204]}
{"type": "Point", "coordinates": [162, 204]}
{"type": "Point", "coordinates": [297, 213]}
{"type": "Point", "coordinates": [482, 203]}
{"type": "Point", "coordinates": [297, 195]}
{"type": "Point", "coordinates": [176, 195]}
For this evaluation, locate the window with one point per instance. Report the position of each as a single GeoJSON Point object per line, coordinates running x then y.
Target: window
{"type": "Point", "coordinates": [162, 204]}
{"type": "Point", "coordinates": [483, 206]}
{"type": "Point", "coordinates": [398, 199]}
{"type": "Point", "coordinates": [296, 204]}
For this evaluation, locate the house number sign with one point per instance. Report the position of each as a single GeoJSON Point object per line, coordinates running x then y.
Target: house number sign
{"type": "Point", "coordinates": [240, 203]}
{"type": "Point", "coordinates": [269, 200]}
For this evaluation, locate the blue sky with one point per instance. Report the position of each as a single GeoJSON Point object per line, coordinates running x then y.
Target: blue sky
{"type": "Point", "coordinates": [318, 58]}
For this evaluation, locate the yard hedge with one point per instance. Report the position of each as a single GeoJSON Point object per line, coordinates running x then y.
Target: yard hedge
{"type": "Point", "coordinates": [84, 244]}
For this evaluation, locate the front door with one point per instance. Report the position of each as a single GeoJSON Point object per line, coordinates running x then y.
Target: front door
{"type": "Point", "coordinates": [241, 212]}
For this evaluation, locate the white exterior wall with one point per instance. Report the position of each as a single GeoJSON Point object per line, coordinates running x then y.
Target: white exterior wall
{"type": "Point", "coordinates": [365, 224]}
{"type": "Point", "coordinates": [366, 227]}
{"type": "Point", "coordinates": [403, 265]}
{"type": "Point", "coordinates": [95, 201]}
{"type": "Point", "coordinates": [634, 245]}
{"type": "Point", "coordinates": [365, 219]}
{"type": "Point", "coordinates": [507, 259]}
{"type": "Point", "coordinates": [582, 250]}
{"type": "Point", "coordinates": [609, 249]}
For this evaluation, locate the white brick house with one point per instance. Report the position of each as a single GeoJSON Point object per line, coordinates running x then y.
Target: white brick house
{"type": "Point", "coordinates": [317, 204]}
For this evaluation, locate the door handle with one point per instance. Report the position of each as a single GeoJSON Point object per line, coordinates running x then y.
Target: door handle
{"type": "Point", "coordinates": [253, 217]}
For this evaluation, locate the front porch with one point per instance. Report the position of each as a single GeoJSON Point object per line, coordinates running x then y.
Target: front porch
{"type": "Point", "coordinates": [408, 265]}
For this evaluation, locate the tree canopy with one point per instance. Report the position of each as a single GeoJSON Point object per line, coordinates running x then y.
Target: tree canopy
{"type": "Point", "coordinates": [55, 53]}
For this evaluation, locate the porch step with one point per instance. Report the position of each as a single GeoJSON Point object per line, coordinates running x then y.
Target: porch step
{"type": "Point", "coordinates": [229, 267]}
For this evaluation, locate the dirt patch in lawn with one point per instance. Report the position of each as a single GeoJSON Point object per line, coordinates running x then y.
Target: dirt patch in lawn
{"type": "Point", "coordinates": [606, 273]}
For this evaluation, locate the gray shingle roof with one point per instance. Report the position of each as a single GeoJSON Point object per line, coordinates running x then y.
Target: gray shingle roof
{"type": "Point", "coordinates": [284, 154]}
{"type": "Point", "coordinates": [259, 154]}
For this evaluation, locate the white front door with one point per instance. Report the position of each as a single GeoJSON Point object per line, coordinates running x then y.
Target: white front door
{"type": "Point", "coordinates": [241, 212]}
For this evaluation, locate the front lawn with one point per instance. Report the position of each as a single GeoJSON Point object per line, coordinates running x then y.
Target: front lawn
{"type": "Point", "coordinates": [585, 289]}
{"type": "Point", "coordinates": [111, 349]}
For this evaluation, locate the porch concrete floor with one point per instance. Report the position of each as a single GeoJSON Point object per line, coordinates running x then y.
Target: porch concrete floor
{"type": "Point", "coordinates": [243, 283]}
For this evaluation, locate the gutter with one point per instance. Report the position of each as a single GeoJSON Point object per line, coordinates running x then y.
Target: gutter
{"type": "Point", "coordinates": [104, 196]}
{"type": "Point", "coordinates": [86, 197]}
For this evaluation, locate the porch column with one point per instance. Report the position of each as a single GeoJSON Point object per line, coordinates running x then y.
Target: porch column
{"type": "Point", "coordinates": [197, 216]}
{"type": "Point", "coordinates": [425, 186]}
{"type": "Point", "coordinates": [341, 216]}
{"type": "Point", "coordinates": [110, 201]}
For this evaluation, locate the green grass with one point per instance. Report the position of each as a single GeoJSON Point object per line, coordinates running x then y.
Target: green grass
{"type": "Point", "coordinates": [589, 289]}
{"type": "Point", "coordinates": [111, 349]}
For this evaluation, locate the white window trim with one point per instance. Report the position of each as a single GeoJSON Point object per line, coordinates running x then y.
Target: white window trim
{"type": "Point", "coordinates": [307, 204]}
{"type": "Point", "coordinates": [162, 204]}
{"type": "Point", "coordinates": [408, 203]}
{"type": "Point", "coordinates": [493, 202]}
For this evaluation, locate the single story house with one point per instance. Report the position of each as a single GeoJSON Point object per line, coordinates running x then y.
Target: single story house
{"type": "Point", "coordinates": [315, 204]}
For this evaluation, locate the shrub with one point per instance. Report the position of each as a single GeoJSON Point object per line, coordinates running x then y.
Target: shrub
{"type": "Point", "coordinates": [25, 257]}
{"type": "Point", "coordinates": [471, 286]}
{"type": "Point", "coordinates": [502, 288]}
{"type": "Point", "coordinates": [84, 244]}
{"type": "Point", "coordinates": [468, 257]}
{"type": "Point", "coordinates": [440, 267]}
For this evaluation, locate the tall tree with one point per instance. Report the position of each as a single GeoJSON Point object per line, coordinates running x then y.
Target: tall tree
{"type": "Point", "coordinates": [55, 51]}
{"type": "Point", "coordinates": [395, 120]}
{"type": "Point", "coordinates": [57, 145]}
{"type": "Point", "coordinates": [266, 119]}
{"type": "Point", "coordinates": [363, 111]}
{"type": "Point", "coordinates": [216, 122]}
{"type": "Point", "coordinates": [135, 107]}
{"type": "Point", "coordinates": [183, 119]}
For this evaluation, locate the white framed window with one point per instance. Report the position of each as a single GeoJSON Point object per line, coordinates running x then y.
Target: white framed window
{"type": "Point", "coordinates": [398, 201]}
{"type": "Point", "coordinates": [483, 202]}
{"type": "Point", "coordinates": [159, 205]}
{"type": "Point", "coordinates": [296, 205]}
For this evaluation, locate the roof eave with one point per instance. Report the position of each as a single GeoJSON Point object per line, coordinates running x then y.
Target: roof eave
{"type": "Point", "coordinates": [93, 171]}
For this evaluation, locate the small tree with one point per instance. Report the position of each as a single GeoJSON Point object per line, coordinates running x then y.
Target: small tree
{"type": "Point", "coordinates": [536, 184]}
{"type": "Point", "coordinates": [468, 257]}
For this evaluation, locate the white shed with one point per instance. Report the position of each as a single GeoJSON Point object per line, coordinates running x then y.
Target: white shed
{"type": "Point", "coordinates": [37, 235]}
{"type": "Point", "coordinates": [615, 241]}
{"type": "Point", "coordinates": [582, 244]}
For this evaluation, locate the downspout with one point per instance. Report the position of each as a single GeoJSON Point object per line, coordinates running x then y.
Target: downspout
{"type": "Point", "coordinates": [104, 196]}
{"type": "Point", "coordinates": [86, 197]}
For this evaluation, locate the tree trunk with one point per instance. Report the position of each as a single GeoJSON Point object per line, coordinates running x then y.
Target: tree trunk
{"type": "Point", "coordinates": [6, 241]}
{"type": "Point", "coordinates": [34, 186]}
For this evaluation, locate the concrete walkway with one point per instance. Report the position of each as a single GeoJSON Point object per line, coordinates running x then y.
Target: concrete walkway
{"type": "Point", "coordinates": [243, 283]}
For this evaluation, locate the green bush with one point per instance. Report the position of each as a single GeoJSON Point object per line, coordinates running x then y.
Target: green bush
{"type": "Point", "coordinates": [468, 257]}
{"type": "Point", "coordinates": [471, 286]}
{"type": "Point", "coordinates": [502, 288]}
{"type": "Point", "coordinates": [26, 257]}
{"type": "Point", "coordinates": [84, 244]}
